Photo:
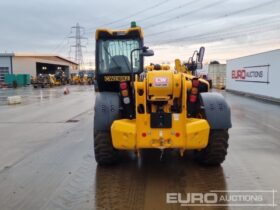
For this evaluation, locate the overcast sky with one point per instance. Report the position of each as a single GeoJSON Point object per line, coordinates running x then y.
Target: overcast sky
{"type": "Point", "coordinates": [173, 28]}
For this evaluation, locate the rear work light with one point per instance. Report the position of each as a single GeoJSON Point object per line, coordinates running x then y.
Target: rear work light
{"type": "Point", "coordinates": [126, 100]}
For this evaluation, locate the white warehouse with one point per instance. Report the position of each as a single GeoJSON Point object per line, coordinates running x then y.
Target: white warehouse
{"type": "Point", "coordinates": [257, 75]}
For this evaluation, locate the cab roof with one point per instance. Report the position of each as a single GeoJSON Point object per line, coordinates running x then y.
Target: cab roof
{"type": "Point", "coordinates": [107, 33]}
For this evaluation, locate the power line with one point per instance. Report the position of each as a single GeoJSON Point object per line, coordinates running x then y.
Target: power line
{"type": "Point", "coordinates": [233, 48]}
{"type": "Point", "coordinates": [231, 35]}
{"type": "Point", "coordinates": [58, 46]}
{"type": "Point", "coordinates": [219, 33]}
{"type": "Point", "coordinates": [164, 12]}
{"type": "Point", "coordinates": [228, 35]}
{"type": "Point", "coordinates": [63, 47]}
{"type": "Point", "coordinates": [132, 15]}
{"type": "Point", "coordinates": [273, 43]}
{"type": "Point", "coordinates": [186, 13]}
{"type": "Point", "coordinates": [219, 17]}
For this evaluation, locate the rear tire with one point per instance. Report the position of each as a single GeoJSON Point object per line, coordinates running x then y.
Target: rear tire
{"type": "Point", "coordinates": [215, 152]}
{"type": "Point", "coordinates": [105, 153]}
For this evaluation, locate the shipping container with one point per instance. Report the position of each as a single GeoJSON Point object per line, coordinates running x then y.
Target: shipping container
{"type": "Point", "coordinates": [20, 79]}
{"type": "Point", "coordinates": [9, 79]}
{"type": "Point", "coordinates": [257, 74]}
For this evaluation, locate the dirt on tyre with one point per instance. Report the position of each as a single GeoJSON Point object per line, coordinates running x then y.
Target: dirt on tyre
{"type": "Point", "coordinates": [215, 152]}
{"type": "Point", "coordinates": [105, 153]}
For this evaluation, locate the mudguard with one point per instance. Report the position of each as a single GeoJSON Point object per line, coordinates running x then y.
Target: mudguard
{"type": "Point", "coordinates": [106, 110]}
{"type": "Point", "coordinates": [216, 109]}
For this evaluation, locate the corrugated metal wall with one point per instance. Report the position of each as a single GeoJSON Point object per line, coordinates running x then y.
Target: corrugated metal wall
{"type": "Point", "coordinates": [5, 66]}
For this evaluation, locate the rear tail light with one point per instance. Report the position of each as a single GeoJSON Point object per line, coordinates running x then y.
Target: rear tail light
{"type": "Point", "coordinates": [193, 98]}
{"type": "Point", "coordinates": [123, 85]}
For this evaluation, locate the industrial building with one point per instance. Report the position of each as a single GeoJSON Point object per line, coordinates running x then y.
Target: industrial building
{"type": "Point", "coordinates": [34, 64]}
{"type": "Point", "coordinates": [256, 75]}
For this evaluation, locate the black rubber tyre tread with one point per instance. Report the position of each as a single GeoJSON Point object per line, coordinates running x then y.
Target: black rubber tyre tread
{"type": "Point", "coordinates": [105, 153]}
{"type": "Point", "coordinates": [215, 152]}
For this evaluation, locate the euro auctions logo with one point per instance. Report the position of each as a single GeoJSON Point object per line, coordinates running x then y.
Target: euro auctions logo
{"type": "Point", "coordinates": [258, 74]}
{"type": "Point", "coordinates": [237, 198]}
{"type": "Point", "coordinates": [243, 74]}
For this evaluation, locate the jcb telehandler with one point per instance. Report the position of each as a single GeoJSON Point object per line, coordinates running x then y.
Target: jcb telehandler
{"type": "Point", "coordinates": [163, 109]}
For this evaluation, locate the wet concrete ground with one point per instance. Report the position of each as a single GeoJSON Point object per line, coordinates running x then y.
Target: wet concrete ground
{"type": "Point", "coordinates": [47, 161]}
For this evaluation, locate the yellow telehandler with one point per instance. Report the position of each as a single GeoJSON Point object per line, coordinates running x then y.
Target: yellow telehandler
{"type": "Point", "coordinates": [160, 109]}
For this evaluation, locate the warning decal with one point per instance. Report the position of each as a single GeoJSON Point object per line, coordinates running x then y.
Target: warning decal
{"type": "Point", "coordinates": [161, 81]}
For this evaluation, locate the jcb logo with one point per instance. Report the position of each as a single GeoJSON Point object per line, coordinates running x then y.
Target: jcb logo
{"type": "Point", "coordinates": [161, 81]}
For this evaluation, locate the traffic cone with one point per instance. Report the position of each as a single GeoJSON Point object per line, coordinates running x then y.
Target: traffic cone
{"type": "Point", "coordinates": [66, 91]}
